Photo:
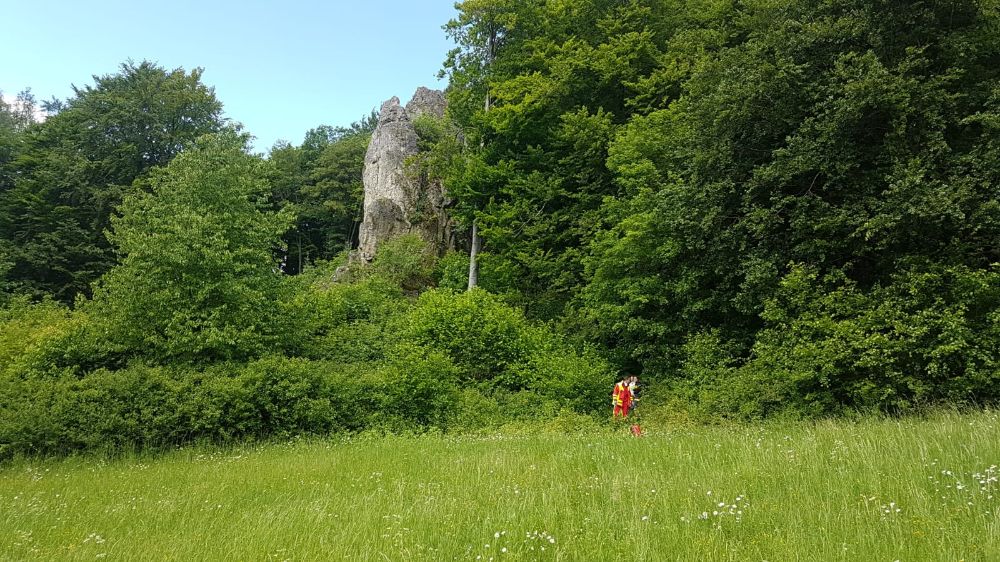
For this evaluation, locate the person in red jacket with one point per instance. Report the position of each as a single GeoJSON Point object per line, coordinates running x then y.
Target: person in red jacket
{"type": "Point", "coordinates": [621, 398]}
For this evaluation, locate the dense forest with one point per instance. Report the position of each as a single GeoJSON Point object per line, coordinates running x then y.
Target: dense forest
{"type": "Point", "coordinates": [761, 207]}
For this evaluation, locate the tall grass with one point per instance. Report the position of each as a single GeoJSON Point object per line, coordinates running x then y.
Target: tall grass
{"type": "Point", "coordinates": [863, 490]}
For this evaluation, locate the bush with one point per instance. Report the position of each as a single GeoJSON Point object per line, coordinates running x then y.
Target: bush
{"type": "Point", "coordinates": [496, 349]}
{"type": "Point", "coordinates": [830, 346]}
{"type": "Point", "coordinates": [415, 387]}
{"type": "Point", "coordinates": [474, 411]}
{"type": "Point", "coordinates": [107, 410]}
{"type": "Point", "coordinates": [288, 396]}
{"type": "Point", "coordinates": [348, 323]}
{"type": "Point", "coordinates": [406, 261]}
{"type": "Point", "coordinates": [485, 338]}
{"type": "Point", "coordinates": [579, 381]}
{"type": "Point", "coordinates": [151, 407]}
{"type": "Point", "coordinates": [29, 333]}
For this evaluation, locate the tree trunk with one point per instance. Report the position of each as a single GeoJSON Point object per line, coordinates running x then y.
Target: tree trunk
{"type": "Point", "coordinates": [474, 250]}
{"type": "Point", "coordinates": [473, 253]}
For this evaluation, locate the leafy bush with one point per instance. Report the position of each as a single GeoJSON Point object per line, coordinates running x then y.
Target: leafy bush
{"type": "Point", "coordinates": [105, 410]}
{"type": "Point", "coordinates": [347, 322]}
{"type": "Point", "coordinates": [28, 332]}
{"type": "Point", "coordinates": [473, 411]}
{"type": "Point", "coordinates": [484, 337]}
{"type": "Point", "coordinates": [581, 381]}
{"type": "Point", "coordinates": [452, 271]}
{"type": "Point", "coordinates": [146, 406]}
{"type": "Point", "coordinates": [407, 261]}
{"type": "Point", "coordinates": [415, 386]}
{"type": "Point", "coordinates": [494, 347]}
{"type": "Point", "coordinates": [151, 406]}
{"type": "Point", "coordinates": [829, 345]}
{"type": "Point", "coordinates": [928, 336]}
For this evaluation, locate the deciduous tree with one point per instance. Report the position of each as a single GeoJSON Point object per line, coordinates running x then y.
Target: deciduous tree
{"type": "Point", "coordinates": [77, 166]}
{"type": "Point", "coordinates": [197, 278]}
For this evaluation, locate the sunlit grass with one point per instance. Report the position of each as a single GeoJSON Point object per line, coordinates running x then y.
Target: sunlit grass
{"type": "Point", "coordinates": [868, 490]}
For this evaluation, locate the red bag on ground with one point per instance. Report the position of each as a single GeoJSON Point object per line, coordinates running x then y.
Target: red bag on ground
{"type": "Point", "coordinates": [636, 430]}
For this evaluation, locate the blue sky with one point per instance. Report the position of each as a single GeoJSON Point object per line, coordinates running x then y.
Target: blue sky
{"type": "Point", "coordinates": [280, 68]}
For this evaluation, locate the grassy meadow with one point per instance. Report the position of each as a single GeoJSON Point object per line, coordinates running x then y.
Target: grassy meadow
{"type": "Point", "coordinates": [873, 489]}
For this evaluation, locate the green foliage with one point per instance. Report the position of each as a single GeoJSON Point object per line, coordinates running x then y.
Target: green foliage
{"type": "Point", "coordinates": [349, 322]}
{"type": "Point", "coordinates": [6, 287]}
{"type": "Point", "coordinates": [197, 280]}
{"type": "Point", "coordinates": [452, 271]}
{"type": "Point", "coordinates": [497, 275]}
{"type": "Point", "coordinates": [77, 381]}
{"type": "Point", "coordinates": [764, 208]}
{"type": "Point", "coordinates": [843, 148]}
{"type": "Point", "coordinates": [152, 407]}
{"type": "Point", "coordinates": [76, 167]}
{"type": "Point", "coordinates": [494, 347]}
{"type": "Point", "coordinates": [352, 320]}
{"type": "Point", "coordinates": [415, 385]}
{"type": "Point", "coordinates": [926, 337]}
{"type": "Point", "coordinates": [29, 333]}
{"type": "Point", "coordinates": [295, 396]}
{"type": "Point", "coordinates": [406, 261]}
{"type": "Point", "coordinates": [485, 338]}
{"type": "Point", "coordinates": [320, 181]}
{"type": "Point", "coordinates": [651, 170]}
{"type": "Point", "coordinates": [576, 380]}
{"type": "Point", "coordinates": [14, 121]}
{"type": "Point", "coordinates": [556, 79]}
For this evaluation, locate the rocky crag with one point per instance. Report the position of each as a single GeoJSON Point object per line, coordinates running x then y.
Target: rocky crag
{"type": "Point", "coordinates": [399, 199]}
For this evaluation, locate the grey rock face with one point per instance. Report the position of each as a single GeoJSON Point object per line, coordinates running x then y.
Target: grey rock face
{"type": "Point", "coordinates": [426, 101]}
{"type": "Point", "coordinates": [398, 200]}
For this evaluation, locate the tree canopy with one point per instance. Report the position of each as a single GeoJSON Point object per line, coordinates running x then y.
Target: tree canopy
{"type": "Point", "coordinates": [75, 167]}
{"type": "Point", "coordinates": [320, 181]}
{"type": "Point", "coordinates": [197, 278]}
{"type": "Point", "coordinates": [763, 207]}
{"type": "Point", "coordinates": [666, 175]}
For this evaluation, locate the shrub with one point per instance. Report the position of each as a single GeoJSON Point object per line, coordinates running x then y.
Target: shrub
{"type": "Point", "coordinates": [579, 381]}
{"type": "Point", "coordinates": [495, 348]}
{"type": "Point", "coordinates": [348, 322]}
{"type": "Point", "coordinates": [415, 387]}
{"type": "Point", "coordinates": [829, 345]}
{"type": "Point", "coordinates": [29, 332]}
{"type": "Point", "coordinates": [473, 411]}
{"type": "Point", "coordinates": [107, 410]}
{"type": "Point", "coordinates": [147, 406]}
{"type": "Point", "coordinates": [406, 261]}
{"type": "Point", "coordinates": [288, 396]}
{"type": "Point", "coordinates": [484, 337]}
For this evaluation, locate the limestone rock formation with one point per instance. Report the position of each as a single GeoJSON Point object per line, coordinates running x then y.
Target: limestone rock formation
{"type": "Point", "coordinates": [398, 199]}
{"type": "Point", "coordinates": [426, 101]}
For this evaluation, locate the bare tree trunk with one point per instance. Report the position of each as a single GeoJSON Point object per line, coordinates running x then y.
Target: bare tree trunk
{"type": "Point", "coordinates": [473, 253]}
